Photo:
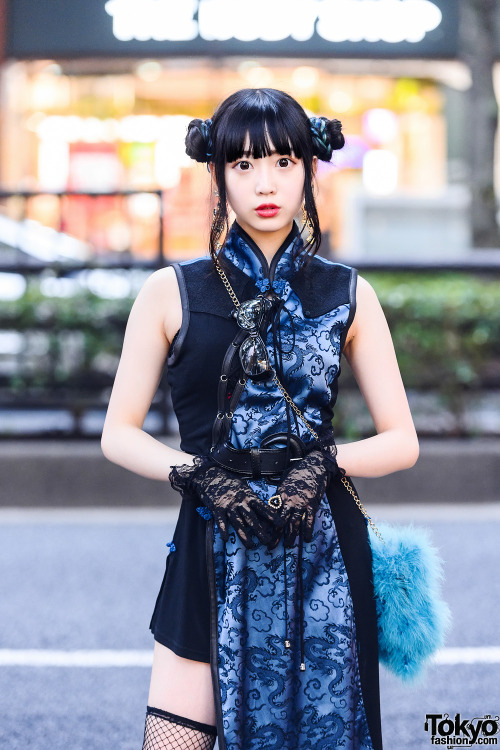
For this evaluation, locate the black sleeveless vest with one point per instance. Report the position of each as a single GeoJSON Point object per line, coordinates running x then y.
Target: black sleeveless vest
{"type": "Point", "coordinates": [208, 328]}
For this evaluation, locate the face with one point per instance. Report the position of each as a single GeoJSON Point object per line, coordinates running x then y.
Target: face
{"type": "Point", "coordinates": [265, 194]}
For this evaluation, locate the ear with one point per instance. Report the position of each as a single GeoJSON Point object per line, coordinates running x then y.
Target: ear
{"type": "Point", "coordinates": [314, 166]}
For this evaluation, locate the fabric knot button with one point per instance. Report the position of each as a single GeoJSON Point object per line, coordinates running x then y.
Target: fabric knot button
{"type": "Point", "coordinates": [204, 512]}
{"type": "Point", "coordinates": [263, 284]}
{"type": "Point", "coordinates": [171, 545]}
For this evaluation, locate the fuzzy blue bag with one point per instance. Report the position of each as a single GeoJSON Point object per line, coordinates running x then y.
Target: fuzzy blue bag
{"type": "Point", "coordinates": [412, 617]}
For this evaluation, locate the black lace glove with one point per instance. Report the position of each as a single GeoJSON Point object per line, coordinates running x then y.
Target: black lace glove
{"type": "Point", "coordinates": [226, 495]}
{"type": "Point", "coordinates": [298, 494]}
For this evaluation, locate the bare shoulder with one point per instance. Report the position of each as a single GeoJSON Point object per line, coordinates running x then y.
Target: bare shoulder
{"type": "Point", "coordinates": [364, 289]}
{"type": "Point", "coordinates": [159, 299]}
{"type": "Point", "coordinates": [368, 308]}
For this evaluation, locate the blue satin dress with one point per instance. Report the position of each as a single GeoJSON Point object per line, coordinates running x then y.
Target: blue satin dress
{"type": "Point", "coordinates": [261, 598]}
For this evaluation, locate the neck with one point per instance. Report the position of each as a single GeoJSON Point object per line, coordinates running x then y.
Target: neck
{"type": "Point", "coordinates": [268, 242]}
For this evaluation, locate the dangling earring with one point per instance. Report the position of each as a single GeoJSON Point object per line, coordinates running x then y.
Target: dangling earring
{"type": "Point", "coordinates": [307, 224]}
{"type": "Point", "coordinates": [218, 225]}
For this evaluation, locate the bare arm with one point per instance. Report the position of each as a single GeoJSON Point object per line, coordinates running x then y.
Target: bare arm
{"type": "Point", "coordinates": [153, 321]}
{"type": "Point", "coordinates": [370, 353]}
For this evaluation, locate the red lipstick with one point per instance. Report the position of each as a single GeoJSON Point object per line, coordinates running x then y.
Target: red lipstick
{"type": "Point", "coordinates": [267, 210]}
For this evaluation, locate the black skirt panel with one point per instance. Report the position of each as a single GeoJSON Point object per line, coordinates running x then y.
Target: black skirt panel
{"type": "Point", "coordinates": [181, 617]}
{"type": "Point", "coordinates": [352, 532]}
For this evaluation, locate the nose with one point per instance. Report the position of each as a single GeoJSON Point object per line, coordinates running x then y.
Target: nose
{"type": "Point", "coordinates": [265, 184]}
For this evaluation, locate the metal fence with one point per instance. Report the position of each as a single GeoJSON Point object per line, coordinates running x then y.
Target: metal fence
{"type": "Point", "coordinates": [70, 399]}
{"type": "Point", "coordinates": [46, 403]}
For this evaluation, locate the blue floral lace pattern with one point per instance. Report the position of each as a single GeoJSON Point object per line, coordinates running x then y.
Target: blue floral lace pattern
{"type": "Point", "coordinates": [310, 367]}
{"type": "Point", "coordinates": [267, 702]}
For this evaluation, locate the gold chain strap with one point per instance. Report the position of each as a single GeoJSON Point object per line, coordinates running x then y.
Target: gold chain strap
{"type": "Point", "coordinates": [227, 285]}
{"type": "Point", "coordinates": [345, 481]}
{"type": "Point", "coordinates": [297, 411]}
{"type": "Point", "coordinates": [289, 400]}
{"type": "Point", "coordinates": [284, 393]}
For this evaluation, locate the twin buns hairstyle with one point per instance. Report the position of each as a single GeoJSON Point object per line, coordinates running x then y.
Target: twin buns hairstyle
{"type": "Point", "coordinates": [259, 122]}
{"type": "Point", "coordinates": [267, 116]}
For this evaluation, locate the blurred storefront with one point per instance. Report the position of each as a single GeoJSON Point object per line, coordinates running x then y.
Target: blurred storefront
{"type": "Point", "coordinates": [98, 99]}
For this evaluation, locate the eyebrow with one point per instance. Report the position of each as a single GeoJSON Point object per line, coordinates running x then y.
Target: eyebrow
{"type": "Point", "coordinates": [273, 153]}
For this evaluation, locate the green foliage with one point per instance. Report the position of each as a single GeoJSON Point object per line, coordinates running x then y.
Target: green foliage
{"type": "Point", "coordinates": [71, 343]}
{"type": "Point", "coordinates": [82, 311]}
{"type": "Point", "coordinates": [445, 328]}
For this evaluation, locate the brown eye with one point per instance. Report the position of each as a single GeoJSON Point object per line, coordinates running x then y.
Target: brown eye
{"type": "Point", "coordinates": [283, 162]}
{"type": "Point", "coordinates": [244, 165]}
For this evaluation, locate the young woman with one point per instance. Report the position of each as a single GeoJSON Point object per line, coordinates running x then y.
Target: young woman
{"type": "Point", "coordinates": [265, 625]}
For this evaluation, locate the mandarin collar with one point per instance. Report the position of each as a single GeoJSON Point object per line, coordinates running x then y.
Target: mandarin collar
{"type": "Point", "coordinates": [244, 253]}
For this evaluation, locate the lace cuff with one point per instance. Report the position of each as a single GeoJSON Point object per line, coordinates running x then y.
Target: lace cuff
{"type": "Point", "coordinates": [327, 447]}
{"type": "Point", "coordinates": [181, 477]}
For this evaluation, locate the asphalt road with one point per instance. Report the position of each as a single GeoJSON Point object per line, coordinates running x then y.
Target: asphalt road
{"type": "Point", "coordinates": [73, 580]}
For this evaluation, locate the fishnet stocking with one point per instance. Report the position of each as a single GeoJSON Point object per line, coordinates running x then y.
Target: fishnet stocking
{"type": "Point", "coordinates": [166, 731]}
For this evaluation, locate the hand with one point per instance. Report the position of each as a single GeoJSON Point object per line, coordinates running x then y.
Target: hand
{"type": "Point", "coordinates": [227, 497]}
{"type": "Point", "coordinates": [298, 496]}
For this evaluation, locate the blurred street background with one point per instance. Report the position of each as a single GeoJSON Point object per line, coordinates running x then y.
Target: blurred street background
{"type": "Point", "coordinates": [96, 192]}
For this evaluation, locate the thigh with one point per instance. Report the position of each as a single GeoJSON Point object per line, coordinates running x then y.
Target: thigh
{"type": "Point", "coordinates": [181, 686]}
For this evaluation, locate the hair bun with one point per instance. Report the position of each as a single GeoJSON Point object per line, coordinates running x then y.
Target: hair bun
{"type": "Point", "coordinates": [198, 140]}
{"type": "Point", "coordinates": [336, 135]}
{"type": "Point", "coordinates": [327, 136]}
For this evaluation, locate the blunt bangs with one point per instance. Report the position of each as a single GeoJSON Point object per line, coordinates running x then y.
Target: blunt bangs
{"type": "Point", "coordinates": [261, 135]}
{"type": "Point", "coordinates": [261, 124]}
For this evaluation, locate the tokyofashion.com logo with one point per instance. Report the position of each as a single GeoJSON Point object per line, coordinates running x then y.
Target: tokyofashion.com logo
{"type": "Point", "coordinates": [458, 732]}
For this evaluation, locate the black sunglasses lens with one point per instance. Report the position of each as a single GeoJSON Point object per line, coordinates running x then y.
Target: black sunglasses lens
{"type": "Point", "coordinates": [249, 315]}
{"type": "Point", "coordinates": [253, 356]}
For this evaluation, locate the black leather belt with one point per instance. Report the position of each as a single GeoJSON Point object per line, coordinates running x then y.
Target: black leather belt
{"type": "Point", "coordinates": [262, 461]}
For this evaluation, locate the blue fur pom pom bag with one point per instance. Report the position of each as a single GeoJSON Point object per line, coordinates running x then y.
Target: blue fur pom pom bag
{"type": "Point", "coordinates": [412, 617]}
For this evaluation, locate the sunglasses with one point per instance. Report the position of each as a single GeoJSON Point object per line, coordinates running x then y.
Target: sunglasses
{"type": "Point", "coordinates": [253, 351]}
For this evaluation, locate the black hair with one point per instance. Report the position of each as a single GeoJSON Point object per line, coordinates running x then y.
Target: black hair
{"type": "Point", "coordinates": [271, 119]}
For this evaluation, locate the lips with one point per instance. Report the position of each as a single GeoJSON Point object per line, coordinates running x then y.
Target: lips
{"type": "Point", "coordinates": [267, 210]}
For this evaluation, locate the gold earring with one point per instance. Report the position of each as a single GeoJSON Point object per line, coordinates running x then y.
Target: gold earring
{"type": "Point", "coordinates": [307, 224]}
{"type": "Point", "coordinates": [218, 225]}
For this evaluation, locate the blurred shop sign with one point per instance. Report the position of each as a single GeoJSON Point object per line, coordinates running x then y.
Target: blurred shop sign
{"type": "Point", "coordinates": [316, 28]}
{"type": "Point", "coordinates": [388, 21]}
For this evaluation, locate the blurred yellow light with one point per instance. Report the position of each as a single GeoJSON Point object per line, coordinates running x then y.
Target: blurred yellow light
{"type": "Point", "coordinates": [149, 71]}
{"type": "Point", "coordinates": [246, 65]}
{"type": "Point", "coordinates": [340, 101]}
{"type": "Point", "coordinates": [374, 88]}
{"type": "Point", "coordinates": [305, 77]}
{"type": "Point", "coordinates": [34, 121]}
{"type": "Point", "coordinates": [259, 76]}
